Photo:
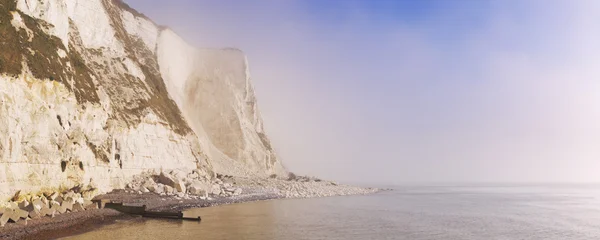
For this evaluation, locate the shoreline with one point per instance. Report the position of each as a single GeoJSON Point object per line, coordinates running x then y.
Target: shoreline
{"type": "Point", "coordinates": [76, 223]}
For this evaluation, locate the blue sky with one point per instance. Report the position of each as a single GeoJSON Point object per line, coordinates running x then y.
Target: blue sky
{"type": "Point", "coordinates": [416, 91]}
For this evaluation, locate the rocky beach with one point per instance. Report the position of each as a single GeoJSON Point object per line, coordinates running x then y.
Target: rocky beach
{"type": "Point", "coordinates": [77, 210]}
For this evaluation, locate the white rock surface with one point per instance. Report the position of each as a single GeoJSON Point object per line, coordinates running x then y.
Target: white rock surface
{"type": "Point", "coordinates": [213, 89]}
{"type": "Point", "coordinates": [58, 130]}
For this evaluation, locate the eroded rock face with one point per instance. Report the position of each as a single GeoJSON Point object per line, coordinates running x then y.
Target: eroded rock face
{"type": "Point", "coordinates": [93, 90]}
{"type": "Point", "coordinates": [213, 88]}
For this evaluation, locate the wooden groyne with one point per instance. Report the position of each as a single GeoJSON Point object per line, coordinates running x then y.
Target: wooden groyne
{"type": "Point", "coordinates": [141, 211]}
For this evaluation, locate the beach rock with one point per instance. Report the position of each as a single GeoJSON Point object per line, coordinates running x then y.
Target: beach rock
{"type": "Point", "coordinates": [172, 181]}
{"type": "Point", "coordinates": [180, 186]}
{"type": "Point", "coordinates": [152, 188]}
{"type": "Point", "coordinates": [78, 207]}
{"type": "Point", "coordinates": [33, 213]}
{"type": "Point", "coordinates": [4, 219]}
{"type": "Point", "coordinates": [69, 194]}
{"type": "Point", "coordinates": [166, 179]}
{"type": "Point", "coordinates": [68, 204]}
{"type": "Point", "coordinates": [23, 204]}
{"type": "Point", "coordinates": [216, 189]}
{"type": "Point", "coordinates": [160, 189]}
{"type": "Point", "coordinates": [54, 206]}
{"type": "Point", "coordinates": [11, 215]}
{"type": "Point", "coordinates": [169, 189]}
{"type": "Point", "coordinates": [46, 211]}
{"type": "Point", "coordinates": [198, 188]}
{"type": "Point", "coordinates": [38, 204]}
{"type": "Point", "coordinates": [19, 213]}
{"type": "Point", "coordinates": [45, 202]}
{"type": "Point", "coordinates": [237, 191]}
{"type": "Point", "coordinates": [62, 209]}
{"type": "Point", "coordinates": [149, 183]}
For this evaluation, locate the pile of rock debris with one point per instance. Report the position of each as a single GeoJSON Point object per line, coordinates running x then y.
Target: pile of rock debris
{"type": "Point", "coordinates": [180, 184]}
{"type": "Point", "coordinates": [25, 208]}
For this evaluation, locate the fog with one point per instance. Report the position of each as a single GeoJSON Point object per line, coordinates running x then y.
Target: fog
{"type": "Point", "coordinates": [444, 91]}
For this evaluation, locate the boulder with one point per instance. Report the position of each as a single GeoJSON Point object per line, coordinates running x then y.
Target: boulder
{"type": "Point", "coordinates": [166, 179]}
{"type": "Point", "coordinates": [54, 208]}
{"type": "Point", "coordinates": [237, 192]}
{"type": "Point", "coordinates": [152, 188]}
{"type": "Point", "coordinates": [38, 204]}
{"type": "Point", "coordinates": [180, 186]}
{"type": "Point", "coordinates": [78, 207]}
{"type": "Point", "coordinates": [198, 188]}
{"type": "Point", "coordinates": [46, 211]}
{"type": "Point", "coordinates": [62, 209]}
{"type": "Point", "coordinates": [10, 214]}
{"type": "Point", "coordinates": [69, 194]}
{"type": "Point", "coordinates": [216, 189]}
{"type": "Point", "coordinates": [172, 181]}
{"type": "Point", "coordinates": [23, 204]}
{"type": "Point", "coordinates": [33, 214]}
{"type": "Point", "coordinates": [159, 188]}
{"type": "Point", "coordinates": [45, 202]}
{"type": "Point", "coordinates": [4, 219]}
{"type": "Point", "coordinates": [68, 204]}
{"type": "Point", "coordinates": [168, 189]}
{"type": "Point", "coordinates": [149, 183]}
{"type": "Point", "coordinates": [54, 204]}
{"type": "Point", "coordinates": [19, 213]}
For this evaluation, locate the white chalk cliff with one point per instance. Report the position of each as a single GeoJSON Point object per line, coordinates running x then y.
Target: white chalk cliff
{"type": "Point", "coordinates": [93, 91]}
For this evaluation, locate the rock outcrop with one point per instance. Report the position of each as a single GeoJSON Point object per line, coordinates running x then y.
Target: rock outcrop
{"type": "Point", "coordinates": [93, 91]}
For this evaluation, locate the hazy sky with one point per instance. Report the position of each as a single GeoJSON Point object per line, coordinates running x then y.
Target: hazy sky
{"type": "Point", "coordinates": [416, 91]}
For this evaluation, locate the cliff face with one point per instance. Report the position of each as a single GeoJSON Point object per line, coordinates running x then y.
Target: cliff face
{"type": "Point", "coordinates": [91, 90]}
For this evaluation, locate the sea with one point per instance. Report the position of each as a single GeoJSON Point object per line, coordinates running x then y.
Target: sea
{"type": "Point", "coordinates": [543, 211]}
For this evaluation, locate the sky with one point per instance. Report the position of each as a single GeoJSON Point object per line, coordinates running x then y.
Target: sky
{"type": "Point", "coordinates": [407, 91]}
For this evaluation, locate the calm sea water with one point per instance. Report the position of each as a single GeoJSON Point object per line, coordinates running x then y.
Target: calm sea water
{"type": "Point", "coordinates": [476, 212]}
